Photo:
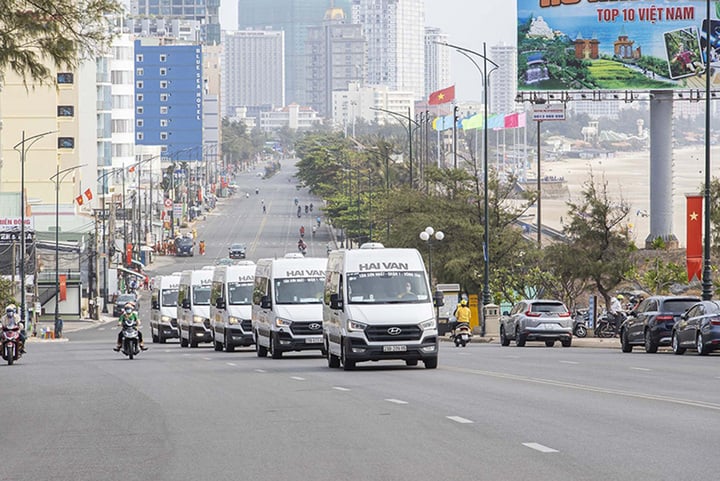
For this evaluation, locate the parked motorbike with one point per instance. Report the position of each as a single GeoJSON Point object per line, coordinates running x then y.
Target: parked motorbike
{"type": "Point", "coordinates": [461, 335]}
{"type": "Point", "coordinates": [580, 323]}
{"type": "Point", "coordinates": [10, 342]}
{"type": "Point", "coordinates": [131, 340]}
{"type": "Point", "coordinates": [608, 324]}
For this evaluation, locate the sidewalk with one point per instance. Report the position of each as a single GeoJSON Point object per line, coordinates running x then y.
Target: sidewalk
{"type": "Point", "coordinates": [597, 342]}
{"type": "Point", "coordinates": [68, 327]}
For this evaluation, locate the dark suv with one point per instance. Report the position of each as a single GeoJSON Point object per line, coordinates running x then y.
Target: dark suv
{"type": "Point", "coordinates": [651, 323]}
{"type": "Point", "coordinates": [236, 251]}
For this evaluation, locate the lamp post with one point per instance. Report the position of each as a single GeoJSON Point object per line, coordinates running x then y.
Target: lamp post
{"type": "Point", "coordinates": [410, 123]}
{"type": "Point", "coordinates": [707, 284]}
{"type": "Point", "coordinates": [57, 178]}
{"type": "Point", "coordinates": [428, 235]}
{"type": "Point", "coordinates": [23, 152]}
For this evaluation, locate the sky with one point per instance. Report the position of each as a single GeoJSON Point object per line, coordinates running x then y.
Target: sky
{"type": "Point", "coordinates": [468, 23]}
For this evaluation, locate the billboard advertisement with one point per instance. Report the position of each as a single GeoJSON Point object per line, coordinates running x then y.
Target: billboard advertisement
{"type": "Point", "coordinates": [616, 45]}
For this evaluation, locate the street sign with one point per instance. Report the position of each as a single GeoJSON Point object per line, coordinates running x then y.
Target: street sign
{"type": "Point", "coordinates": [168, 203]}
{"type": "Point", "coordinates": [544, 112]}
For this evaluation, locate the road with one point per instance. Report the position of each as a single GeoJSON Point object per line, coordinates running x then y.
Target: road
{"type": "Point", "coordinates": [78, 411]}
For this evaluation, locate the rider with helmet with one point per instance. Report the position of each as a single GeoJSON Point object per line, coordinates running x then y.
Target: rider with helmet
{"type": "Point", "coordinates": [129, 313]}
{"type": "Point", "coordinates": [462, 314]}
{"type": "Point", "coordinates": [11, 317]}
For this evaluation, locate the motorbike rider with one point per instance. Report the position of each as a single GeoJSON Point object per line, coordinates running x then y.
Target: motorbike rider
{"type": "Point", "coordinates": [616, 310]}
{"type": "Point", "coordinates": [302, 246]}
{"type": "Point", "coordinates": [129, 313]}
{"type": "Point", "coordinates": [9, 318]}
{"type": "Point", "coordinates": [462, 314]}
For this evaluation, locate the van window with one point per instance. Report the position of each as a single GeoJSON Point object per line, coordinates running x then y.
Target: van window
{"type": "Point", "coordinates": [201, 295]}
{"type": "Point", "coordinates": [239, 293]}
{"type": "Point", "coordinates": [308, 290]}
{"type": "Point", "coordinates": [386, 287]}
{"type": "Point", "coordinates": [169, 298]}
{"type": "Point", "coordinates": [260, 289]}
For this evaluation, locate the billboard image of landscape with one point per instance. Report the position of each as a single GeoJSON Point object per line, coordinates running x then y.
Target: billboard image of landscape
{"type": "Point", "coordinates": [629, 45]}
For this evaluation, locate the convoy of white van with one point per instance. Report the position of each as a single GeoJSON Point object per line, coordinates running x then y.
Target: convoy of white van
{"type": "Point", "coordinates": [367, 304]}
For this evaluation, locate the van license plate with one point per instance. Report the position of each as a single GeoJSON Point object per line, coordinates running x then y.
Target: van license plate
{"type": "Point", "coordinates": [313, 340]}
{"type": "Point", "coordinates": [394, 348]}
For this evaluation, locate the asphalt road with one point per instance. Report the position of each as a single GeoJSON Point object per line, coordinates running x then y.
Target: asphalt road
{"type": "Point", "coordinates": [78, 411]}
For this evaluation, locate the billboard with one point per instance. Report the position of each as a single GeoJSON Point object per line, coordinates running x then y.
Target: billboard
{"type": "Point", "coordinates": [616, 45]}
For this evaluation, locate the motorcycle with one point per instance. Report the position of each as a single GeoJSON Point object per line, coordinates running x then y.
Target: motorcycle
{"type": "Point", "coordinates": [461, 335]}
{"type": "Point", "coordinates": [580, 323]}
{"type": "Point", "coordinates": [131, 340]}
{"type": "Point", "coordinates": [608, 324]}
{"type": "Point", "coordinates": [299, 214]}
{"type": "Point", "coordinates": [10, 342]}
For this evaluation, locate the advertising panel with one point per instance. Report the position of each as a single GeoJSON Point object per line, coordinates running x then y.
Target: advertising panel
{"type": "Point", "coordinates": [616, 45]}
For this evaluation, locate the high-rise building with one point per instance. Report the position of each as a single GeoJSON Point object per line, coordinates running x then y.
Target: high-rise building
{"type": "Point", "coordinates": [253, 70]}
{"type": "Point", "coordinates": [395, 34]}
{"type": "Point", "coordinates": [437, 61]}
{"type": "Point", "coordinates": [336, 58]}
{"type": "Point", "coordinates": [293, 17]}
{"type": "Point", "coordinates": [503, 81]}
{"type": "Point", "coordinates": [197, 19]}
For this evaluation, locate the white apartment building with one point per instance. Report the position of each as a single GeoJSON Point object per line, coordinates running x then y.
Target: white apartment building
{"type": "Point", "coordinates": [437, 61]}
{"type": "Point", "coordinates": [395, 34]}
{"type": "Point", "coordinates": [253, 69]}
{"type": "Point", "coordinates": [122, 76]}
{"type": "Point", "coordinates": [359, 102]}
{"type": "Point", "coordinates": [293, 117]}
{"type": "Point", "coordinates": [503, 81]}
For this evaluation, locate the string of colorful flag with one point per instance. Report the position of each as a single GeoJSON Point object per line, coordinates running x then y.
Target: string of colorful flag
{"type": "Point", "coordinates": [472, 121]}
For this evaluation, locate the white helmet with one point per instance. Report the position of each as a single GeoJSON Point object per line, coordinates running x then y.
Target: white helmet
{"type": "Point", "coordinates": [10, 309]}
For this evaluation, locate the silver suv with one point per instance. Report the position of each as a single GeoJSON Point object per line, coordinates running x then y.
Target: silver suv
{"type": "Point", "coordinates": [537, 320]}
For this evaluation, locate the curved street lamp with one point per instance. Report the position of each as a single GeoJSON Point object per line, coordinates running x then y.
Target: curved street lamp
{"type": "Point", "coordinates": [428, 235]}
{"type": "Point", "coordinates": [410, 130]}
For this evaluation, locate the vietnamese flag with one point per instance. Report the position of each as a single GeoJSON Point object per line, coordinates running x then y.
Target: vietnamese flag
{"type": "Point", "coordinates": [694, 247]}
{"type": "Point", "coordinates": [442, 96]}
{"type": "Point", "coordinates": [88, 194]}
{"type": "Point", "coordinates": [62, 287]}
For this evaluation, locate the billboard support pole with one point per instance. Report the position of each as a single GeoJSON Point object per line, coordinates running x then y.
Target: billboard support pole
{"type": "Point", "coordinates": [707, 284]}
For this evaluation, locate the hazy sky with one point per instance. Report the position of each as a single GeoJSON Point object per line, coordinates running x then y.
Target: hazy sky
{"type": "Point", "coordinates": [468, 23]}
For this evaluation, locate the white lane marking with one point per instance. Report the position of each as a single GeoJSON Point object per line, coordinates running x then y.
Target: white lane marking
{"type": "Point", "coordinates": [297, 378]}
{"type": "Point", "coordinates": [640, 369]}
{"type": "Point", "coordinates": [569, 362]}
{"type": "Point", "coordinates": [540, 447]}
{"type": "Point", "coordinates": [260, 370]}
{"type": "Point", "coordinates": [338, 388]}
{"type": "Point", "coordinates": [208, 358]}
{"type": "Point", "coordinates": [396, 401]}
{"type": "Point", "coordinates": [186, 354]}
{"type": "Point", "coordinates": [231, 364]}
{"type": "Point", "coordinates": [167, 350]}
{"type": "Point", "coordinates": [101, 328]}
{"type": "Point", "coordinates": [460, 420]}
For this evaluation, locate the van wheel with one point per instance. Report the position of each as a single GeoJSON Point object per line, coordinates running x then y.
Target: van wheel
{"type": "Point", "coordinates": [218, 346]}
{"type": "Point", "coordinates": [228, 347]}
{"type": "Point", "coordinates": [504, 340]}
{"type": "Point", "coordinates": [430, 363]}
{"type": "Point", "coordinates": [154, 337]}
{"type": "Point", "coordinates": [260, 350]}
{"type": "Point", "coordinates": [192, 341]}
{"type": "Point", "coordinates": [275, 352]}
{"type": "Point", "coordinates": [549, 343]}
{"type": "Point", "coordinates": [161, 339]}
{"type": "Point", "coordinates": [348, 365]}
{"type": "Point", "coordinates": [333, 360]}
{"type": "Point", "coordinates": [183, 341]}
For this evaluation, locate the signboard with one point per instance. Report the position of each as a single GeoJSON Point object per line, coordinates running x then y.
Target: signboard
{"type": "Point", "coordinates": [544, 112]}
{"type": "Point", "coordinates": [13, 223]}
{"type": "Point", "coordinates": [612, 45]}
{"type": "Point", "coordinates": [168, 203]}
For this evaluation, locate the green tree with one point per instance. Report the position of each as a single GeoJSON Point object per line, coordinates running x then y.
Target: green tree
{"type": "Point", "coordinates": [39, 34]}
{"type": "Point", "coordinates": [6, 293]}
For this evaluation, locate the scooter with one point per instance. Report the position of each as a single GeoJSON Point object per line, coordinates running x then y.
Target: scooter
{"type": "Point", "coordinates": [608, 325]}
{"type": "Point", "coordinates": [131, 341]}
{"type": "Point", "coordinates": [461, 334]}
{"type": "Point", "coordinates": [580, 323]}
{"type": "Point", "coordinates": [10, 343]}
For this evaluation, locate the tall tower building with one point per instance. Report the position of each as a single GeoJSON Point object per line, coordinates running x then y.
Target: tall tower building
{"type": "Point", "coordinates": [294, 17]}
{"type": "Point", "coordinates": [253, 72]}
{"type": "Point", "coordinates": [197, 19]}
{"type": "Point", "coordinates": [503, 81]}
{"type": "Point", "coordinates": [437, 61]}
{"type": "Point", "coordinates": [336, 58]}
{"type": "Point", "coordinates": [395, 34]}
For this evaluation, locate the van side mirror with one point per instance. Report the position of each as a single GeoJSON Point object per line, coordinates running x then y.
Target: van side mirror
{"type": "Point", "coordinates": [335, 302]}
{"type": "Point", "coordinates": [265, 302]}
{"type": "Point", "coordinates": [220, 303]}
{"type": "Point", "coordinates": [155, 304]}
{"type": "Point", "coordinates": [186, 303]}
{"type": "Point", "coordinates": [438, 299]}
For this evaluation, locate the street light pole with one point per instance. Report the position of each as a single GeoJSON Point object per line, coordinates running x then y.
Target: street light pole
{"type": "Point", "coordinates": [410, 123]}
{"type": "Point", "coordinates": [427, 235]}
{"type": "Point", "coordinates": [707, 284]}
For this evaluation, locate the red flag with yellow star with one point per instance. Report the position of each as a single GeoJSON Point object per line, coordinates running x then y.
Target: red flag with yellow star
{"type": "Point", "coordinates": [694, 249]}
{"type": "Point", "coordinates": [442, 96]}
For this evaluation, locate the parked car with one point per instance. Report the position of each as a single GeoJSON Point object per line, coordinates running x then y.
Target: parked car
{"type": "Point", "coordinates": [123, 299]}
{"type": "Point", "coordinates": [698, 328]}
{"type": "Point", "coordinates": [537, 320]}
{"type": "Point", "coordinates": [236, 251]}
{"type": "Point", "coordinates": [651, 323]}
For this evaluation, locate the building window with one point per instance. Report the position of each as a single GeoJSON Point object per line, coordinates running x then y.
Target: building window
{"type": "Point", "coordinates": [139, 84]}
{"type": "Point", "coordinates": [163, 123]}
{"type": "Point", "coordinates": [163, 72]}
{"type": "Point", "coordinates": [66, 111]}
{"type": "Point", "coordinates": [140, 122]}
{"type": "Point", "coordinates": [139, 136]}
{"type": "Point", "coordinates": [66, 142]}
{"type": "Point", "coordinates": [140, 110]}
{"type": "Point", "coordinates": [139, 57]}
{"type": "Point", "coordinates": [163, 58]}
{"type": "Point", "coordinates": [139, 97]}
{"type": "Point", "coordinates": [163, 84]}
{"type": "Point", "coordinates": [65, 78]}
{"type": "Point", "coordinates": [163, 135]}
{"type": "Point", "coordinates": [163, 109]}
{"type": "Point", "coordinates": [140, 72]}
{"type": "Point", "coordinates": [164, 97]}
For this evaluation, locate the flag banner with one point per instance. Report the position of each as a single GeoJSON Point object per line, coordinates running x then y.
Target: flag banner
{"type": "Point", "coordinates": [474, 122]}
{"type": "Point", "coordinates": [88, 194]}
{"type": "Point", "coordinates": [443, 123]}
{"type": "Point", "coordinates": [79, 200]}
{"type": "Point", "coordinates": [694, 231]}
{"type": "Point", "coordinates": [131, 169]}
{"type": "Point", "coordinates": [62, 278]}
{"type": "Point", "coordinates": [442, 96]}
{"type": "Point", "coordinates": [522, 120]}
{"type": "Point", "coordinates": [511, 121]}
{"type": "Point", "coordinates": [496, 122]}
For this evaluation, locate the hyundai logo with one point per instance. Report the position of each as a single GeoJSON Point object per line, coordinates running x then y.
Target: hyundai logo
{"type": "Point", "coordinates": [315, 326]}
{"type": "Point", "coordinates": [394, 331]}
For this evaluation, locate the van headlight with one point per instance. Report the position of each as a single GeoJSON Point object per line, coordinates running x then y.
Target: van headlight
{"type": "Point", "coordinates": [280, 322]}
{"type": "Point", "coordinates": [165, 318]}
{"type": "Point", "coordinates": [232, 320]}
{"type": "Point", "coordinates": [354, 326]}
{"type": "Point", "coordinates": [198, 319]}
{"type": "Point", "coordinates": [429, 324]}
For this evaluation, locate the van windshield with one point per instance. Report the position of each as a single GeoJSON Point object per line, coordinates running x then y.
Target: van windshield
{"type": "Point", "coordinates": [307, 290]}
{"type": "Point", "coordinates": [240, 293]}
{"type": "Point", "coordinates": [201, 295]}
{"type": "Point", "coordinates": [387, 287]}
{"type": "Point", "coordinates": [169, 298]}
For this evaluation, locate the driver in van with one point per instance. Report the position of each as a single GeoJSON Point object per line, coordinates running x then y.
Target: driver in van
{"type": "Point", "coordinates": [408, 294]}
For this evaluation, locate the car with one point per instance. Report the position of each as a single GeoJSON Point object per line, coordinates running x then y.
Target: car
{"type": "Point", "coordinates": [236, 251]}
{"type": "Point", "coordinates": [537, 320]}
{"type": "Point", "coordinates": [698, 328]}
{"type": "Point", "coordinates": [651, 323]}
{"type": "Point", "coordinates": [123, 299]}
{"type": "Point", "coordinates": [224, 261]}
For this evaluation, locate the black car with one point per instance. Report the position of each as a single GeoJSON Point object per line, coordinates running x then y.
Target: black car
{"type": "Point", "coordinates": [651, 323]}
{"type": "Point", "coordinates": [123, 299]}
{"type": "Point", "coordinates": [184, 246]}
{"type": "Point", "coordinates": [698, 328]}
{"type": "Point", "coordinates": [236, 251]}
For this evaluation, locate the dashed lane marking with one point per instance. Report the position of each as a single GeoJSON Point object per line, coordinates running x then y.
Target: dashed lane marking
{"type": "Point", "coordinates": [231, 364]}
{"type": "Point", "coordinates": [540, 447]}
{"type": "Point", "coordinates": [569, 362]}
{"type": "Point", "coordinates": [260, 370]}
{"type": "Point", "coordinates": [297, 378]}
{"type": "Point", "coordinates": [338, 388]}
{"type": "Point", "coordinates": [396, 401]}
{"type": "Point", "coordinates": [460, 420]}
{"type": "Point", "coordinates": [640, 369]}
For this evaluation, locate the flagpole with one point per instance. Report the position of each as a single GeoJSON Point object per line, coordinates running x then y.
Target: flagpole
{"type": "Point", "coordinates": [455, 119]}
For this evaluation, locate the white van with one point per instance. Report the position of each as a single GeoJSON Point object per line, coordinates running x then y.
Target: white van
{"type": "Point", "coordinates": [378, 305]}
{"type": "Point", "coordinates": [287, 304]}
{"type": "Point", "coordinates": [194, 306]}
{"type": "Point", "coordinates": [231, 305]}
{"type": "Point", "coordinates": [163, 308]}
